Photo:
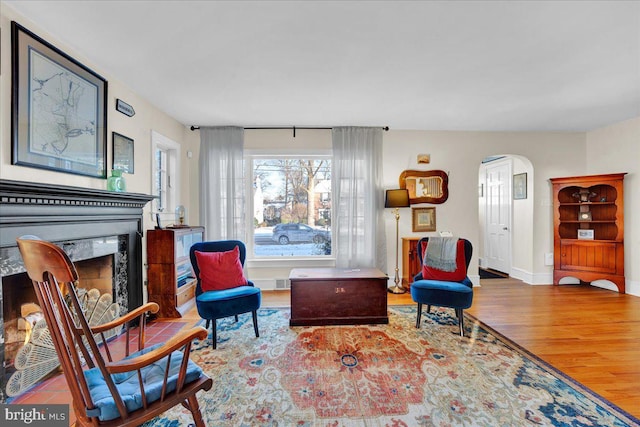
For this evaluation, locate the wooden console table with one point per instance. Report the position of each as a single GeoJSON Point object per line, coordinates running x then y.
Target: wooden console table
{"type": "Point", "coordinates": [338, 296]}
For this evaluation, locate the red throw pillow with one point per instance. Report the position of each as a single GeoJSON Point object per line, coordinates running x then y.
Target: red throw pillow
{"type": "Point", "coordinates": [458, 275]}
{"type": "Point", "coordinates": [220, 270]}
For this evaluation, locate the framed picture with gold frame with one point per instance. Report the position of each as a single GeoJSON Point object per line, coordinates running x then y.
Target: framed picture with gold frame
{"type": "Point", "coordinates": [423, 219]}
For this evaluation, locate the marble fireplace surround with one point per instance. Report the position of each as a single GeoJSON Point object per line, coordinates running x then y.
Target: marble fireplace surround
{"type": "Point", "coordinates": [78, 219]}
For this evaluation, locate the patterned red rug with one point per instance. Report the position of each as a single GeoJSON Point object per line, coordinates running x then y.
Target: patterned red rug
{"type": "Point", "coordinates": [384, 375]}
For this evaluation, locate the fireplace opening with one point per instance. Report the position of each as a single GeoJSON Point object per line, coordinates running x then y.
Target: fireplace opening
{"type": "Point", "coordinates": [22, 317]}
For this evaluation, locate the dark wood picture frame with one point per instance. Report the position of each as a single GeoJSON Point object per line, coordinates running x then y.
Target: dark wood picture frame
{"type": "Point", "coordinates": [425, 186]}
{"type": "Point", "coordinates": [123, 150]}
{"type": "Point", "coordinates": [423, 219]}
{"type": "Point", "coordinates": [59, 109]}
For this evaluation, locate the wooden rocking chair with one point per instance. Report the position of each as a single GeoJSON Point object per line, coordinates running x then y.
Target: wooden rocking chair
{"type": "Point", "coordinates": [125, 392]}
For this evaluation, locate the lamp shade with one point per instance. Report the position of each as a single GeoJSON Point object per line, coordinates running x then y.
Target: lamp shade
{"type": "Point", "coordinates": [396, 199]}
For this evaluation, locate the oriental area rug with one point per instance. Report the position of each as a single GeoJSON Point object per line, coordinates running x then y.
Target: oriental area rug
{"type": "Point", "coordinates": [383, 375]}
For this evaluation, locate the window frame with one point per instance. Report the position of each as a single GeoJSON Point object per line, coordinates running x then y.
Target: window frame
{"type": "Point", "coordinates": [281, 261]}
{"type": "Point", "coordinates": [172, 150]}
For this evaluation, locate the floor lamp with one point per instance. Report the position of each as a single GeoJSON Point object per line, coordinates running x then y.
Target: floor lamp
{"type": "Point", "coordinates": [397, 199]}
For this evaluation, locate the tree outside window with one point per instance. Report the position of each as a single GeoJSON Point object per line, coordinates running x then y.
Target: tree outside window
{"type": "Point", "coordinates": [292, 206]}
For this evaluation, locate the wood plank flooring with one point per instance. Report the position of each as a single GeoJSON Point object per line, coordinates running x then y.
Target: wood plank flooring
{"type": "Point", "coordinates": [590, 334]}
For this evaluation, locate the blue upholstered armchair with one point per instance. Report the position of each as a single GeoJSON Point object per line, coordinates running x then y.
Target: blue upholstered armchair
{"type": "Point", "coordinates": [439, 288]}
{"type": "Point", "coordinates": [237, 297]}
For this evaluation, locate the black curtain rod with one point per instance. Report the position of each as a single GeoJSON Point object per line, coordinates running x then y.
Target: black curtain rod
{"type": "Point", "coordinates": [385, 128]}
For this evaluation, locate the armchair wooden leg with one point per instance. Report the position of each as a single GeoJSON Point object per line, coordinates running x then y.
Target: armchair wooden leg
{"type": "Point", "coordinates": [206, 326]}
{"type": "Point", "coordinates": [254, 314]}
{"type": "Point", "coordinates": [460, 317]}
{"type": "Point", "coordinates": [419, 315]}
{"type": "Point", "coordinates": [236, 318]}
{"type": "Point", "coordinates": [214, 336]}
{"type": "Point", "coordinates": [194, 407]}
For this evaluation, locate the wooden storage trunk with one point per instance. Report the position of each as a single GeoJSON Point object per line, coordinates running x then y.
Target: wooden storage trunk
{"type": "Point", "coordinates": [328, 296]}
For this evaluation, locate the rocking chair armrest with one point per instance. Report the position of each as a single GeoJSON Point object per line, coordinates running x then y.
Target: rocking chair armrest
{"type": "Point", "coordinates": [174, 343]}
{"type": "Point", "coordinates": [150, 307]}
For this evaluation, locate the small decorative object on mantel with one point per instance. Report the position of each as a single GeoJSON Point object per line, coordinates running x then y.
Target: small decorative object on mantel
{"type": "Point", "coordinates": [116, 181]}
{"type": "Point", "coordinates": [425, 186]}
{"type": "Point", "coordinates": [125, 108]}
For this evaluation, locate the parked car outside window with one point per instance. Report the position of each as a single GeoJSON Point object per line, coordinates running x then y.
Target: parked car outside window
{"type": "Point", "coordinates": [294, 232]}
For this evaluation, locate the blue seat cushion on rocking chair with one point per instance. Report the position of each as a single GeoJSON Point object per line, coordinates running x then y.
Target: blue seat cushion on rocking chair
{"type": "Point", "coordinates": [443, 293]}
{"type": "Point", "coordinates": [128, 385]}
{"type": "Point", "coordinates": [228, 302]}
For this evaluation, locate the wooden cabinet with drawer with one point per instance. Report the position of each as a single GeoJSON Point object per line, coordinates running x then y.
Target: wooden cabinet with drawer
{"type": "Point", "coordinates": [172, 283]}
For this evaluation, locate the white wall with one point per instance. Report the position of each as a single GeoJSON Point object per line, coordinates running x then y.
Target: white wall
{"type": "Point", "coordinates": [612, 149]}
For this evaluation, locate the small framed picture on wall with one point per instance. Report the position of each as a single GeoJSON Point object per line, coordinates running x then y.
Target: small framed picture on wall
{"type": "Point", "coordinates": [520, 186]}
{"type": "Point", "coordinates": [424, 219]}
{"type": "Point", "coordinates": [122, 153]}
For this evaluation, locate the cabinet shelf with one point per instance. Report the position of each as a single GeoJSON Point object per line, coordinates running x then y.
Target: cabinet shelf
{"type": "Point", "coordinates": [587, 203]}
{"type": "Point", "coordinates": [588, 222]}
{"type": "Point", "coordinates": [595, 241]}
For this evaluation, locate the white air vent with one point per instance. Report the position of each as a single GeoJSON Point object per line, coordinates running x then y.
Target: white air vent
{"type": "Point", "coordinates": [283, 284]}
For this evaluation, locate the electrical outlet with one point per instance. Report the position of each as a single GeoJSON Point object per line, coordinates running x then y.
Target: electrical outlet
{"type": "Point", "coordinates": [548, 258]}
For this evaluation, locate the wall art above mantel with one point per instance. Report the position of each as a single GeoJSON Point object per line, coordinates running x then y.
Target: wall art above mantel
{"type": "Point", "coordinates": [425, 186]}
{"type": "Point", "coordinates": [58, 111]}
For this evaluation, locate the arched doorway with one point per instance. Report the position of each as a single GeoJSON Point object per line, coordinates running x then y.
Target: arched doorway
{"type": "Point", "coordinates": [506, 215]}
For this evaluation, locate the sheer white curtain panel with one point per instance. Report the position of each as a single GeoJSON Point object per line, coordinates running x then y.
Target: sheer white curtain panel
{"type": "Point", "coordinates": [358, 198]}
{"type": "Point", "coordinates": [222, 182]}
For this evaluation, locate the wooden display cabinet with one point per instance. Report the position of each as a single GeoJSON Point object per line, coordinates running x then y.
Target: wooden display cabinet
{"type": "Point", "coordinates": [588, 223]}
{"type": "Point", "coordinates": [410, 260]}
{"type": "Point", "coordinates": [172, 283]}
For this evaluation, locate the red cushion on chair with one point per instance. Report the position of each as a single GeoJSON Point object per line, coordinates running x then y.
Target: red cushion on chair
{"type": "Point", "coordinates": [220, 270]}
{"type": "Point", "coordinates": [458, 275]}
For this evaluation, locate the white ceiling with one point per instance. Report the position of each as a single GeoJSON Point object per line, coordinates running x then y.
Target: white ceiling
{"type": "Point", "coordinates": [464, 65]}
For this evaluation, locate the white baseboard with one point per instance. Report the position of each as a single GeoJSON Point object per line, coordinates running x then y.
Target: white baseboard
{"type": "Point", "coordinates": [531, 278]}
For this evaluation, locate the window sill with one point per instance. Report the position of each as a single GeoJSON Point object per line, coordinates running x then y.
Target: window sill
{"type": "Point", "coordinates": [290, 262]}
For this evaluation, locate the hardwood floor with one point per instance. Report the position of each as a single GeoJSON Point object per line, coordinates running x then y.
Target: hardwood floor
{"type": "Point", "coordinates": [588, 333]}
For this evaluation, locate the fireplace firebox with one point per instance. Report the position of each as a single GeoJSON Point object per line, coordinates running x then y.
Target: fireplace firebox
{"type": "Point", "coordinates": [96, 225]}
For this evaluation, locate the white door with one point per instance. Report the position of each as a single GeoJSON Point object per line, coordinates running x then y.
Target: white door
{"type": "Point", "coordinates": [498, 216]}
